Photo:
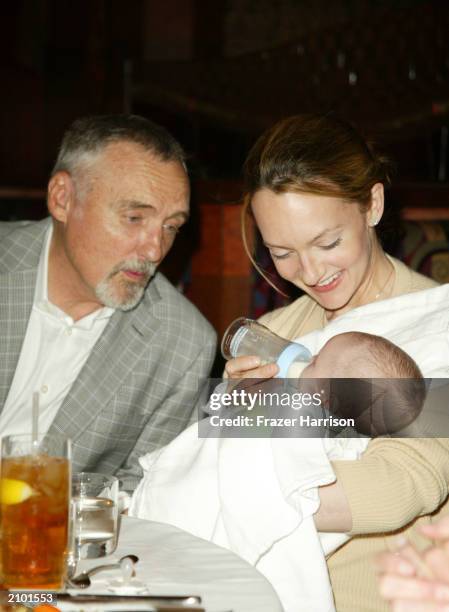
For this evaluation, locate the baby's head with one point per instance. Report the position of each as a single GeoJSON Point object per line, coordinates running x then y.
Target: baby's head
{"type": "Point", "coordinates": [382, 407]}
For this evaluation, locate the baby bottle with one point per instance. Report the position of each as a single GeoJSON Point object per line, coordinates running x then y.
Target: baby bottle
{"type": "Point", "coordinates": [248, 337]}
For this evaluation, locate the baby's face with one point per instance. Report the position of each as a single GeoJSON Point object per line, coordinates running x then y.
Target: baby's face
{"type": "Point", "coordinates": [323, 365]}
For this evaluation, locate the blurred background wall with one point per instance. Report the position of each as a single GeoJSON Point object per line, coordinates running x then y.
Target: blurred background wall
{"type": "Point", "coordinates": [216, 73]}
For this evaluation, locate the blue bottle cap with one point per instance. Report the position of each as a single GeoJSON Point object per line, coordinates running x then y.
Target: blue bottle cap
{"type": "Point", "coordinates": [289, 354]}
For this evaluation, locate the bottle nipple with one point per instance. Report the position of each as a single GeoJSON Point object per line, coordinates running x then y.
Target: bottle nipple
{"type": "Point", "coordinates": [296, 369]}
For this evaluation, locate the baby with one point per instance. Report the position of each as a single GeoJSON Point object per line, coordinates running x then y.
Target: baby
{"type": "Point", "coordinates": [257, 497]}
{"type": "Point", "coordinates": [346, 365]}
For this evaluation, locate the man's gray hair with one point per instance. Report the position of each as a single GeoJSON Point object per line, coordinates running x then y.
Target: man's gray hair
{"type": "Point", "coordinates": [88, 136]}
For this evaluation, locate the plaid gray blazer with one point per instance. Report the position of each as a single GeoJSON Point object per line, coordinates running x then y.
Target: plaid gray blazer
{"type": "Point", "coordinates": [141, 383]}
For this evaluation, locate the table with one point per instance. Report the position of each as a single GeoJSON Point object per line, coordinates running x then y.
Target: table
{"type": "Point", "coordinates": [173, 562]}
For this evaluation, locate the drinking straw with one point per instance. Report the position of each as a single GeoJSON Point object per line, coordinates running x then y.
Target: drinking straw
{"type": "Point", "coordinates": [35, 420]}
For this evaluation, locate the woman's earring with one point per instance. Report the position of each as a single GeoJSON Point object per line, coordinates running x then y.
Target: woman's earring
{"type": "Point", "coordinates": [374, 222]}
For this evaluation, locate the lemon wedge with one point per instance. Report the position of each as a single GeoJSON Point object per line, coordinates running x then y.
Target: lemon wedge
{"type": "Point", "coordinates": [14, 491]}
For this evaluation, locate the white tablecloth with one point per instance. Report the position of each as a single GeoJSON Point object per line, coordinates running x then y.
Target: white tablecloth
{"type": "Point", "coordinates": [173, 562]}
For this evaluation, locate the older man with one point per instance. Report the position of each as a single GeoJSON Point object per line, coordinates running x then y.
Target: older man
{"type": "Point", "coordinates": [118, 355]}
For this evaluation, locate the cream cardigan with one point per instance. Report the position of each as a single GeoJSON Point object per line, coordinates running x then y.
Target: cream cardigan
{"type": "Point", "coordinates": [396, 480]}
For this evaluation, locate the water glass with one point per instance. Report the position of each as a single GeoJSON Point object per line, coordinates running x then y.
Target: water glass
{"type": "Point", "coordinates": [94, 515]}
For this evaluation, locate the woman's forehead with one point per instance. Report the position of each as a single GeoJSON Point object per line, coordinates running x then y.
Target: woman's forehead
{"type": "Point", "coordinates": [295, 203]}
{"type": "Point", "coordinates": [311, 215]}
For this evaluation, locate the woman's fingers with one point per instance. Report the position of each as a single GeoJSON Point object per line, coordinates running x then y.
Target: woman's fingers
{"type": "Point", "coordinates": [250, 367]}
{"type": "Point", "coordinates": [241, 364]}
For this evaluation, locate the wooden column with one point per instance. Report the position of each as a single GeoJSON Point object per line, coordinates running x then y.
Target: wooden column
{"type": "Point", "coordinates": [221, 271]}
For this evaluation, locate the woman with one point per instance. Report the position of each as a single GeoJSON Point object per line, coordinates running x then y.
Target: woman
{"type": "Point", "coordinates": [316, 191]}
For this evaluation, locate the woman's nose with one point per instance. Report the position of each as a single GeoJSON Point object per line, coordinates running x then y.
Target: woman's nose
{"type": "Point", "coordinates": [310, 270]}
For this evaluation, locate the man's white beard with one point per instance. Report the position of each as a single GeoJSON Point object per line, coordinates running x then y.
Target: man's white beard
{"type": "Point", "coordinates": [124, 295]}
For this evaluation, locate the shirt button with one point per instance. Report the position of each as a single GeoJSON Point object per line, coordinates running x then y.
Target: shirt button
{"type": "Point", "coordinates": [68, 331]}
{"type": "Point", "coordinates": [44, 388]}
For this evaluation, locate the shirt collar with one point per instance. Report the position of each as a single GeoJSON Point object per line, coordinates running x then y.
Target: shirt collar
{"type": "Point", "coordinates": [41, 301]}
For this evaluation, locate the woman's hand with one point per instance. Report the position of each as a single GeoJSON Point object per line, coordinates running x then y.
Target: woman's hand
{"type": "Point", "coordinates": [418, 582]}
{"type": "Point", "coordinates": [249, 367]}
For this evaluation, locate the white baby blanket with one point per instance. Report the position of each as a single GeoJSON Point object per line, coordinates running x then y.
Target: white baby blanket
{"type": "Point", "coordinates": [255, 497]}
{"type": "Point", "coordinates": [417, 322]}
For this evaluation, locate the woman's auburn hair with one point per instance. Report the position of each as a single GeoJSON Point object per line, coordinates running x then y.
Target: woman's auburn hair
{"type": "Point", "coordinates": [316, 154]}
{"type": "Point", "coordinates": [313, 154]}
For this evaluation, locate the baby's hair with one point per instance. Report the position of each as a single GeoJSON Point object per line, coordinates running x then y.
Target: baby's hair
{"type": "Point", "coordinates": [397, 388]}
{"type": "Point", "coordinates": [390, 360]}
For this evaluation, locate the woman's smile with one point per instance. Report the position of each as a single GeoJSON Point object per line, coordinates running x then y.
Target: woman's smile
{"type": "Point", "coordinates": [329, 284]}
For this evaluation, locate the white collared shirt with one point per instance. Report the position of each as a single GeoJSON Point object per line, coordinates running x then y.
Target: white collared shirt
{"type": "Point", "coordinates": [54, 350]}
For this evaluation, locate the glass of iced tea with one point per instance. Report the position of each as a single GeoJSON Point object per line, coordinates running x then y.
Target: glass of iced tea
{"type": "Point", "coordinates": [34, 511]}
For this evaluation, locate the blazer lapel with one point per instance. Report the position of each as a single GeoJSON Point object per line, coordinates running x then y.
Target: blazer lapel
{"type": "Point", "coordinates": [112, 360]}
